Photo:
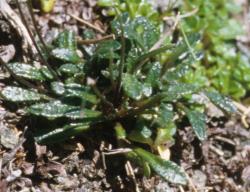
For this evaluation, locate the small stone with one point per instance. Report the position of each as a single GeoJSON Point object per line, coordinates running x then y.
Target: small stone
{"type": "Point", "coordinates": [246, 177]}
{"type": "Point", "coordinates": [14, 175]}
{"type": "Point", "coordinates": [8, 137]}
{"type": "Point", "coordinates": [199, 179]}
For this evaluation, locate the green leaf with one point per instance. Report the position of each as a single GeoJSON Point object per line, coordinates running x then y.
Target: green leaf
{"type": "Point", "coordinates": [46, 73]}
{"type": "Point", "coordinates": [165, 134]}
{"type": "Point", "coordinates": [141, 133]}
{"type": "Point", "coordinates": [144, 32]}
{"type": "Point", "coordinates": [56, 109]}
{"type": "Point", "coordinates": [231, 30]}
{"type": "Point", "coordinates": [83, 92]}
{"type": "Point", "coordinates": [65, 55]}
{"type": "Point", "coordinates": [132, 156]}
{"type": "Point", "coordinates": [67, 40]}
{"type": "Point", "coordinates": [26, 71]}
{"type": "Point", "coordinates": [221, 101]}
{"type": "Point", "coordinates": [61, 134]}
{"type": "Point", "coordinates": [166, 169]}
{"type": "Point", "coordinates": [58, 88]}
{"type": "Point", "coordinates": [198, 122]}
{"type": "Point", "coordinates": [138, 62]}
{"type": "Point", "coordinates": [47, 5]}
{"type": "Point", "coordinates": [107, 49]}
{"type": "Point", "coordinates": [140, 30]}
{"type": "Point", "coordinates": [177, 90]}
{"type": "Point", "coordinates": [17, 94]}
{"type": "Point", "coordinates": [154, 74]}
{"type": "Point", "coordinates": [107, 3]}
{"type": "Point", "coordinates": [132, 87]}
{"type": "Point", "coordinates": [178, 71]}
{"type": "Point", "coordinates": [120, 131]}
{"type": "Point", "coordinates": [69, 69]}
{"type": "Point", "coordinates": [147, 89]}
{"type": "Point", "coordinates": [179, 50]}
{"type": "Point", "coordinates": [165, 114]}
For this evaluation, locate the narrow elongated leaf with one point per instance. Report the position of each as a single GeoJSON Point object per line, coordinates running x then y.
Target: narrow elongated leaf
{"type": "Point", "coordinates": [178, 90]}
{"type": "Point", "coordinates": [73, 90]}
{"type": "Point", "coordinates": [107, 3]}
{"type": "Point", "coordinates": [69, 69]}
{"type": "Point", "coordinates": [17, 94]}
{"type": "Point", "coordinates": [222, 102]}
{"type": "Point", "coordinates": [46, 73]}
{"type": "Point", "coordinates": [26, 71]}
{"type": "Point", "coordinates": [154, 74]}
{"type": "Point", "coordinates": [65, 55]}
{"type": "Point", "coordinates": [166, 169]}
{"type": "Point", "coordinates": [56, 109]}
{"type": "Point", "coordinates": [66, 39]}
{"type": "Point", "coordinates": [53, 109]}
{"type": "Point", "coordinates": [198, 122]}
{"type": "Point", "coordinates": [77, 90]}
{"type": "Point", "coordinates": [61, 134]}
{"type": "Point", "coordinates": [132, 87]}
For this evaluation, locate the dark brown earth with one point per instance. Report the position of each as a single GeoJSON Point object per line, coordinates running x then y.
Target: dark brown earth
{"type": "Point", "coordinates": [221, 163]}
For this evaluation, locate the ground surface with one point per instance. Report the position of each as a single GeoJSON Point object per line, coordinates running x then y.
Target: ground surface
{"type": "Point", "coordinates": [221, 163]}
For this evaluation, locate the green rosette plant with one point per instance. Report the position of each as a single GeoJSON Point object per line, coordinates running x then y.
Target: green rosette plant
{"type": "Point", "coordinates": [119, 84]}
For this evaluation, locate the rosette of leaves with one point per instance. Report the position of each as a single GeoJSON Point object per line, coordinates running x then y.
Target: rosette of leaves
{"type": "Point", "coordinates": [120, 82]}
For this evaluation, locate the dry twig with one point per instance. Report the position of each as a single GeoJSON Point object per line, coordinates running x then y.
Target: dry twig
{"type": "Point", "coordinates": [17, 24]}
{"type": "Point", "coordinates": [244, 112]}
{"type": "Point", "coordinates": [93, 41]}
{"type": "Point", "coordinates": [87, 24]}
{"type": "Point", "coordinates": [113, 152]}
{"type": "Point", "coordinates": [130, 172]}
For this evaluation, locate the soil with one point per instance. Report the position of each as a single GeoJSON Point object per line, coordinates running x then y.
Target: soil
{"type": "Point", "coordinates": [221, 163]}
